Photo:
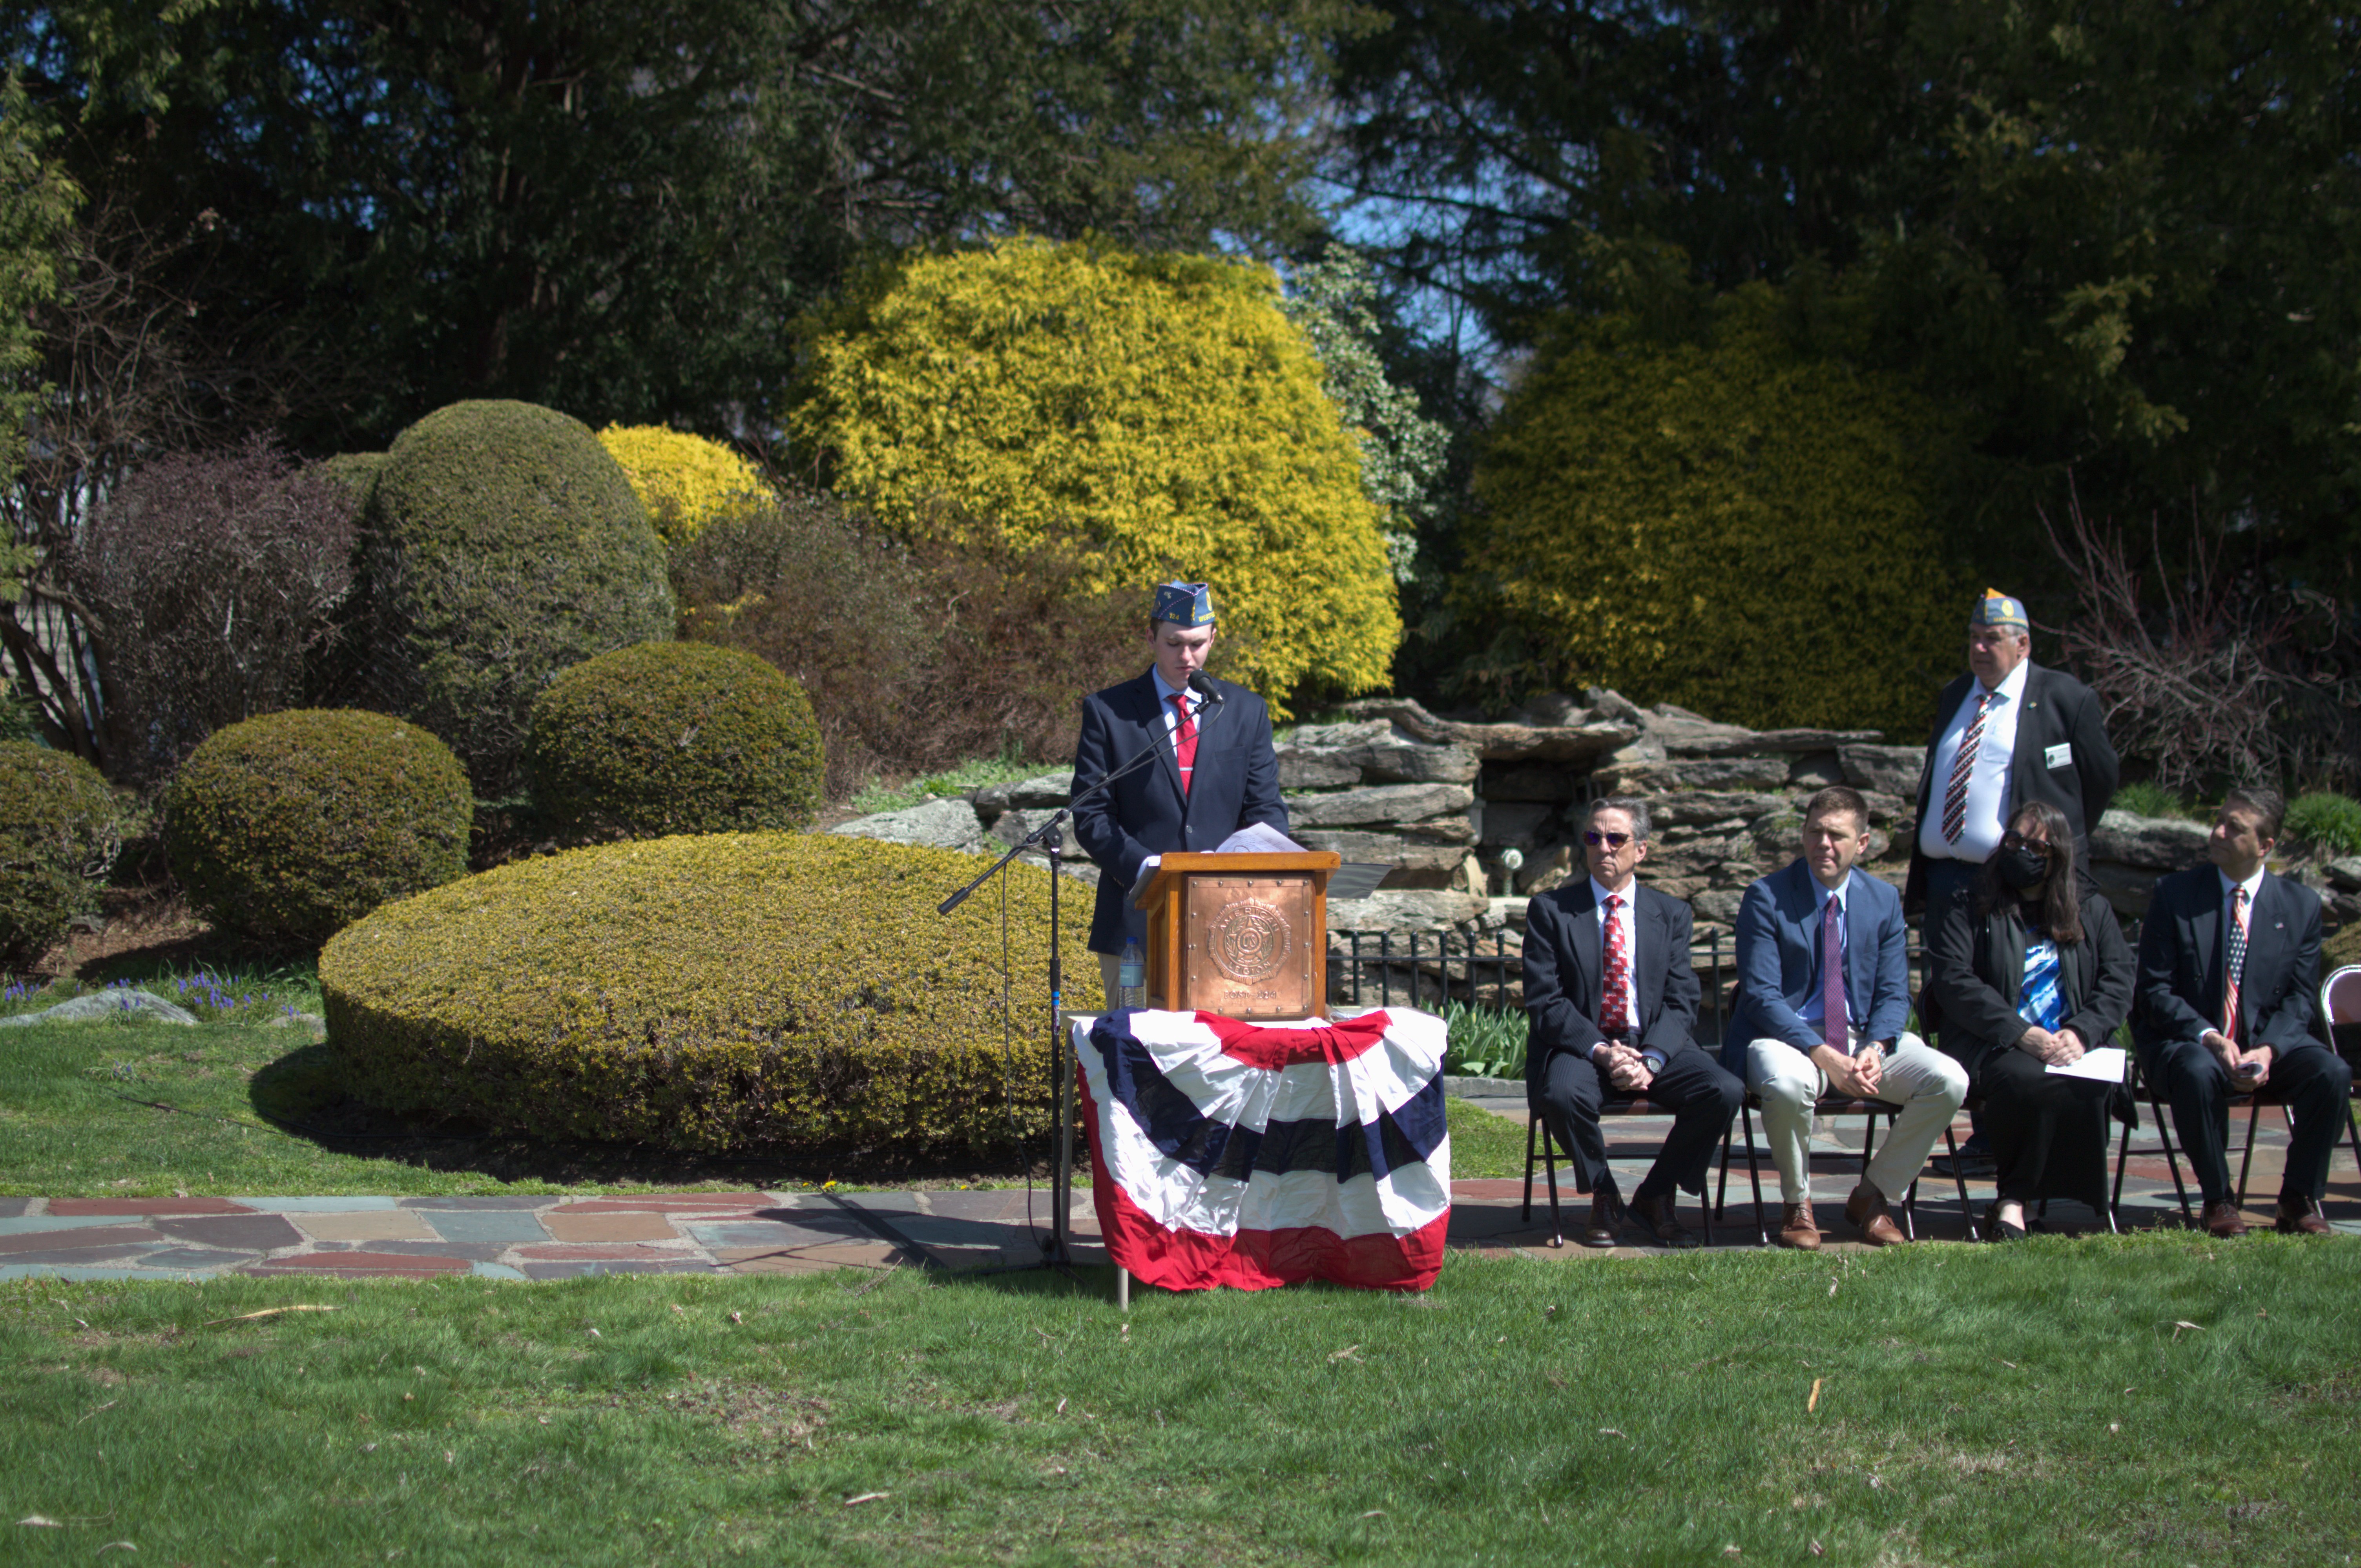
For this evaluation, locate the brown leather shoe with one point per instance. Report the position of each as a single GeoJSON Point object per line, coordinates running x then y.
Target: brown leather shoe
{"type": "Point", "coordinates": [2221, 1219]}
{"type": "Point", "coordinates": [1654, 1218]}
{"type": "Point", "coordinates": [1797, 1229]}
{"type": "Point", "coordinates": [1606, 1218]}
{"type": "Point", "coordinates": [2301, 1216]}
{"type": "Point", "coordinates": [1866, 1210]}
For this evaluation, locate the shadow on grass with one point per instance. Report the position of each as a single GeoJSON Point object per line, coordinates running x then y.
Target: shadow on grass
{"type": "Point", "coordinates": [302, 1094]}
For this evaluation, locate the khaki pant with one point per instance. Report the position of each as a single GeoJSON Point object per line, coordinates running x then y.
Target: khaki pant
{"type": "Point", "coordinates": [1926, 1085]}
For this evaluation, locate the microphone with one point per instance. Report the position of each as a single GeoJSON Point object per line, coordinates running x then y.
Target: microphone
{"type": "Point", "coordinates": [1203, 686]}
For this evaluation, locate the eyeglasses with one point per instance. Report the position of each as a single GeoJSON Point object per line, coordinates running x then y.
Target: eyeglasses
{"type": "Point", "coordinates": [2013, 840]}
{"type": "Point", "coordinates": [1594, 838]}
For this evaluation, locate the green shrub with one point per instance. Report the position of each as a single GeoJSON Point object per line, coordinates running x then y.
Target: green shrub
{"type": "Point", "coordinates": [503, 545]}
{"type": "Point", "coordinates": [289, 827]}
{"type": "Point", "coordinates": [674, 738]}
{"type": "Point", "coordinates": [1732, 526]}
{"type": "Point", "coordinates": [1161, 406]}
{"type": "Point", "coordinates": [710, 992]}
{"type": "Point", "coordinates": [2325, 821]}
{"type": "Point", "coordinates": [356, 471]}
{"type": "Point", "coordinates": [2146, 798]}
{"type": "Point", "coordinates": [61, 829]}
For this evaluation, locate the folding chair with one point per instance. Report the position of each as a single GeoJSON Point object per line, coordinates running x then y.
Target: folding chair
{"type": "Point", "coordinates": [1833, 1105]}
{"type": "Point", "coordinates": [1538, 1130]}
{"type": "Point", "coordinates": [2340, 1002]}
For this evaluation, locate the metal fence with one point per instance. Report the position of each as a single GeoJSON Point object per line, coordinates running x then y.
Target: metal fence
{"type": "Point", "coordinates": [1386, 969]}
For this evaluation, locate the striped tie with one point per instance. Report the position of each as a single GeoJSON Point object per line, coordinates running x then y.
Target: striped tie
{"type": "Point", "coordinates": [2237, 965]}
{"type": "Point", "coordinates": [1616, 1015]}
{"type": "Point", "coordinates": [1955, 794]}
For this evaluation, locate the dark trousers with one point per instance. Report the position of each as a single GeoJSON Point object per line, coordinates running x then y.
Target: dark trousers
{"type": "Point", "coordinates": [1698, 1090]}
{"type": "Point", "coordinates": [2314, 1080]}
{"type": "Point", "coordinates": [2048, 1132]}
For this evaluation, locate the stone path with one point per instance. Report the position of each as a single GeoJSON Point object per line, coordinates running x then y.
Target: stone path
{"type": "Point", "coordinates": [557, 1237]}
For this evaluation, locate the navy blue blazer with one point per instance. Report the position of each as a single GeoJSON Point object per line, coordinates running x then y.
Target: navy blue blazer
{"type": "Point", "coordinates": [1235, 782]}
{"type": "Point", "coordinates": [1779, 962]}
{"type": "Point", "coordinates": [2178, 994]}
{"type": "Point", "coordinates": [1563, 985]}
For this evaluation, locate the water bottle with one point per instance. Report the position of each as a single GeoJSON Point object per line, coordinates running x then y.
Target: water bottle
{"type": "Point", "coordinates": [1131, 976]}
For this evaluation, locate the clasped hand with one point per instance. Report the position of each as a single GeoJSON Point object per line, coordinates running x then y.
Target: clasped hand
{"type": "Point", "coordinates": [2253, 1066]}
{"type": "Point", "coordinates": [1625, 1069]}
{"type": "Point", "coordinates": [2062, 1048]}
{"type": "Point", "coordinates": [1855, 1077]}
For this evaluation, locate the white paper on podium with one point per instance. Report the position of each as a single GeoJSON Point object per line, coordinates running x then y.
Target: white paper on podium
{"type": "Point", "coordinates": [1254, 838]}
{"type": "Point", "coordinates": [2104, 1065]}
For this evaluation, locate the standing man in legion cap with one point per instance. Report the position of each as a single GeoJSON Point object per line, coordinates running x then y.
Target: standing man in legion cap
{"type": "Point", "coordinates": [2006, 733]}
{"type": "Point", "coordinates": [1214, 770]}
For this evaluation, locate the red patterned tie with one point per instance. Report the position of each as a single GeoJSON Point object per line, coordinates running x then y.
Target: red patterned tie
{"type": "Point", "coordinates": [1184, 739]}
{"type": "Point", "coordinates": [1955, 794]}
{"type": "Point", "coordinates": [1618, 1009]}
{"type": "Point", "coordinates": [2237, 965]}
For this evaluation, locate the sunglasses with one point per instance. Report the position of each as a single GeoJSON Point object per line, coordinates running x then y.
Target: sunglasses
{"type": "Point", "coordinates": [1594, 838]}
{"type": "Point", "coordinates": [2013, 840]}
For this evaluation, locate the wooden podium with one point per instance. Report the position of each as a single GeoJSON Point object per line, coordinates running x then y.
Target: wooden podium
{"type": "Point", "coordinates": [1242, 935]}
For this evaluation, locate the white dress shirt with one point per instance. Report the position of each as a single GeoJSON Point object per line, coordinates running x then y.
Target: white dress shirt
{"type": "Point", "coordinates": [1631, 1021]}
{"type": "Point", "coordinates": [1987, 803]}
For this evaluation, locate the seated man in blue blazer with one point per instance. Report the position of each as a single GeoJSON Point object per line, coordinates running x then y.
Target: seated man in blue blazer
{"type": "Point", "coordinates": [1214, 770]}
{"type": "Point", "coordinates": [1823, 993]}
{"type": "Point", "coordinates": [2222, 1002]}
{"type": "Point", "coordinates": [1613, 1003]}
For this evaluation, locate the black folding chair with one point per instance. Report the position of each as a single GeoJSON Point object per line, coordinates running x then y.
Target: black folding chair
{"type": "Point", "coordinates": [2340, 1005]}
{"type": "Point", "coordinates": [1830, 1105]}
{"type": "Point", "coordinates": [1539, 1131]}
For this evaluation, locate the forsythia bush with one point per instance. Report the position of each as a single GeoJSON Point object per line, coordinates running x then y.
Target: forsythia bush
{"type": "Point", "coordinates": [1162, 406]}
{"type": "Point", "coordinates": [291, 826]}
{"type": "Point", "coordinates": [709, 992]}
{"type": "Point", "coordinates": [1732, 527]}
{"type": "Point", "coordinates": [685, 481]}
{"type": "Point", "coordinates": [501, 545]}
{"type": "Point", "coordinates": [675, 738]}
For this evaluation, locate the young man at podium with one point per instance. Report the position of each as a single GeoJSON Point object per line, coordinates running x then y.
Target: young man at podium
{"type": "Point", "coordinates": [1213, 771]}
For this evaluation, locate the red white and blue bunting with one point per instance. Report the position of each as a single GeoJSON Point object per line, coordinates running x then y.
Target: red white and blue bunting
{"type": "Point", "coordinates": [1254, 1155]}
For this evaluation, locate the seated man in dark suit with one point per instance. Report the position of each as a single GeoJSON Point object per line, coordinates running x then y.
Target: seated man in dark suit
{"type": "Point", "coordinates": [1804, 1025]}
{"type": "Point", "coordinates": [2229, 969]}
{"type": "Point", "coordinates": [1214, 770]}
{"type": "Point", "coordinates": [1613, 1003]}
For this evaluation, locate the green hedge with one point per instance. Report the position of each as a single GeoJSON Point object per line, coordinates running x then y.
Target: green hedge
{"type": "Point", "coordinates": [710, 992]}
{"type": "Point", "coordinates": [289, 827]}
{"type": "Point", "coordinates": [674, 738]}
{"type": "Point", "coordinates": [503, 544]}
{"type": "Point", "coordinates": [61, 829]}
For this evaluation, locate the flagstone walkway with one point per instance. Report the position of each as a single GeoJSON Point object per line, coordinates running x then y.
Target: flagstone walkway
{"type": "Point", "coordinates": [557, 1236]}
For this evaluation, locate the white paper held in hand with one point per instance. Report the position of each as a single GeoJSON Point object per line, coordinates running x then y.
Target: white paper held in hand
{"type": "Point", "coordinates": [2104, 1063]}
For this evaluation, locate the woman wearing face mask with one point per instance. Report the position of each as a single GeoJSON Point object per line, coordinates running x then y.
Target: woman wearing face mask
{"type": "Point", "coordinates": [2025, 972]}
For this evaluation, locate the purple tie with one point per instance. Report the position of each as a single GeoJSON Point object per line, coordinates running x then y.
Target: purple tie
{"type": "Point", "coordinates": [1833, 1022]}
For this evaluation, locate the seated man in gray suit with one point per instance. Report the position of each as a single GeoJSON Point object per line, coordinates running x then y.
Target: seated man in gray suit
{"type": "Point", "coordinates": [1613, 1001]}
{"type": "Point", "coordinates": [1823, 993]}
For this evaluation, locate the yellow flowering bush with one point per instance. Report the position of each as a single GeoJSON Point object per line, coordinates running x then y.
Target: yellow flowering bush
{"type": "Point", "coordinates": [1731, 526]}
{"type": "Point", "coordinates": [685, 481]}
{"type": "Point", "coordinates": [1161, 407]}
{"type": "Point", "coordinates": [715, 991]}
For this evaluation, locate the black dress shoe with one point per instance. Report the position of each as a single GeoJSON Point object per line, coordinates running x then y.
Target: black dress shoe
{"type": "Point", "coordinates": [1652, 1217]}
{"type": "Point", "coordinates": [1997, 1230]}
{"type": "Point", "coordinates": [1606, 1219]}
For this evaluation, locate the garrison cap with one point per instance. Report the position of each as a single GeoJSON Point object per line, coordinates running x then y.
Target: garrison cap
{"type": "Point", "coordinates": [1996, 608]}
{"type": "Point", "coordinates": [1186, 605]}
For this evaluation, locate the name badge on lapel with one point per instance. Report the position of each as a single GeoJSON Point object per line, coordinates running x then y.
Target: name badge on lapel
{"type": "Point", "coordinates": [2058, 756]}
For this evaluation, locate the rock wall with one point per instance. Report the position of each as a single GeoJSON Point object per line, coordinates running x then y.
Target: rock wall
{"type": "Point", "coordinates": [1473, 818]}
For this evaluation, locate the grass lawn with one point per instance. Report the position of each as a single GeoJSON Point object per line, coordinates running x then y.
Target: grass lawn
{"type": "Point", "coordinates": [2153, 1400]}
{"type": "Point", "coordinates": [80, 1117]}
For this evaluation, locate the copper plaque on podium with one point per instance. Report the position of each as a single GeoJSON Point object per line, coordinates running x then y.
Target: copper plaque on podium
{"type": "Point", "coordinates": [1242, 948]}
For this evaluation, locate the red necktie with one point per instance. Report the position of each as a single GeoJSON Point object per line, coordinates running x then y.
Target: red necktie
{"type": "Point", "coordinates": [2237, 965]}
{"type": "Point", "coordinates": [1617, 1013]}
{"type": "Point", "coordinates": [1184, 739]}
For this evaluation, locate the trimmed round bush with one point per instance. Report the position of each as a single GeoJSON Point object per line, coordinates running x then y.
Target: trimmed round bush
{"type": "Point", "coordinates": [356, 471]}
{"type": "Point", "coordinates": [710, 992]}
{"type": "Point", "coordinates": [289, 827]}
{"type": "Point", "coordinates": [685, 481]}
{"type": "Point", "coordinates": [675, 738]}
{"type": "Point", "coordinates": [503, 546]}
{"type": "Point", "coordinates": [61, 829]}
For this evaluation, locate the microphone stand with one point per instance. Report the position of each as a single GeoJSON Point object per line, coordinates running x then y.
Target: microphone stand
{"type": "Point", "coordinates": [1056, 1248]}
